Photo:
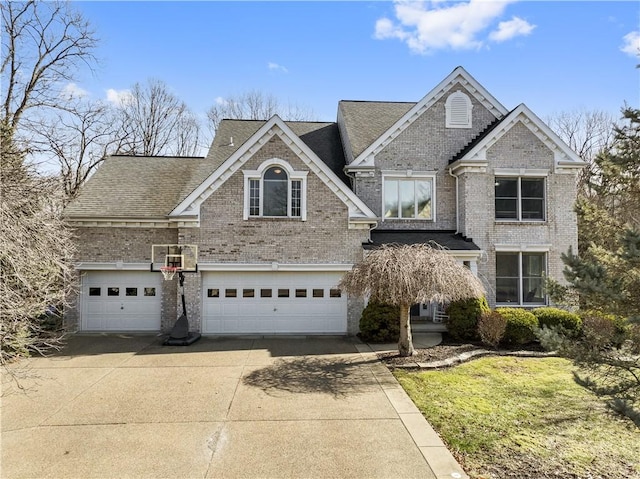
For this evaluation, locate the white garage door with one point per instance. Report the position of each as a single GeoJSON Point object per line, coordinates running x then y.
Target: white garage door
{"type": "Point", "coordinates": [273, 303]}
{"type": "Point", "coordinates": [121, 301]}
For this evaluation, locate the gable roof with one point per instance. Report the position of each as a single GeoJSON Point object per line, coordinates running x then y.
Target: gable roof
{"type": "Point", "coordinates": [358, 211]}
{"type": "Point", "coordinates": [458, 75]}
{"type": "Point", "coordinates": [134, 187]}
{"type": "Point", "coordinates": [564, 156]}
{"type": "Point", "coordinates": [322, 137]}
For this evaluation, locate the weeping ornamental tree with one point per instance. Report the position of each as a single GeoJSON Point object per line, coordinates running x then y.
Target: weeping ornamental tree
{"type": "Point", "coordinates": [403, 275]}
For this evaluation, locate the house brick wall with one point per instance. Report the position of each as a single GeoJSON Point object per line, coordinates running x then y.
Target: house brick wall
{"type": "Point", "coordinates": [426, 145]}
{"type": "Point", "coordinates": [518, 148]}
{"type": "Point", "coordinates": [128, 245]}
{"type": "Point", "coordinates": [224, 237]}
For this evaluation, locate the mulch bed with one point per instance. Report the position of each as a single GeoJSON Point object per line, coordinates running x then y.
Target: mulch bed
{"type": "Point", "coordinates": [449, 352]}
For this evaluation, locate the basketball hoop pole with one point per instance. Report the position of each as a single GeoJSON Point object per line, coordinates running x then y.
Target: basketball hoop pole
{"type": "Point", "coordinates": [181, 280]}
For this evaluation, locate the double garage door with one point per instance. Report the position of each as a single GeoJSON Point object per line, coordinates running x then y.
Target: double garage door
{"type": "Point", "coordinates": [121, 301]}
{"type": "Point", "coordinates": [273, 303]}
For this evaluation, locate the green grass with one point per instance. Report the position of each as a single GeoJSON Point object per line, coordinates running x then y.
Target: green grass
{"type": "Point", "coordinates": [519, 417]}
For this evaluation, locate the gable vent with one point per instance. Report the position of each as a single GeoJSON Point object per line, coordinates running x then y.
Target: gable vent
{"type": "Point", "coordinates": [458, 111]}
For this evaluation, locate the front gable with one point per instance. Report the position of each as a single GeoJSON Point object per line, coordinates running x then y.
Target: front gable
{"type": "Point", "coordinates": [189, 209]}
{"type": "Point", "coordinates": [458, 110]}
{"type": "Point", "coordinates": [527, 127]}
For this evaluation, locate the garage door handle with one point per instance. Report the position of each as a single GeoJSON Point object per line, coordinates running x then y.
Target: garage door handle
{"type": "Point", "coordinates": [121, 306]}
{"type": "Point", "coordinates": [275, 309]}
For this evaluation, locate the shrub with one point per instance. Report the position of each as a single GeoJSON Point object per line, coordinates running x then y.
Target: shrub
{"type": "Point", "coordinates": [380, 323]}
{"type": "Point", "coordinates": [551, 338]}
{"type": "Point", "coordinates": [491, 328]}
{"type": "Point", "coordinates": [463, 317]}
{"type": "Point", "coordinates": [521, 325]}
{"type": "Point", "coordinates": [555, 317]}
{"type": "Point", "coordinates": [603, 330]}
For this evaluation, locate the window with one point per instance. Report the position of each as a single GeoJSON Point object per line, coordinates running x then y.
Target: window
{"type": "Point", "coordinates": [230, 293]}
{"type": "Point", "coordinates": [283, 293]}
{"type": "Point", "coordinates": [318, 293]}
{"type": "Point", "coordinates": [265, 293]}
{"type": "Point", "coordinates": [113, 291]}
{"type": "Point", "coordinates": [94, 291]}
{"type": "Point", "coordinates": [248, 293]}
{"type": "Point", "coordinates": [131, 292]}
{"type": "Point", "coordinates": [213, 293]}
{"type": "Point", "coordinates": [301, 293]}
{"type": "Point", "coordinates": [520, 278]}
{"type": "Point", "coordinates": [150, 291]}
{"type": "Point", "coordinates": [275, 190]}
{"type": "Point", "coordinates": [335, 293]}
{"type": "Point", "coordinates": [458, 110]}
{"type": "Point", "coordinates": [408, 198]}
{"type": "Point", "coordinates": [519, 199]}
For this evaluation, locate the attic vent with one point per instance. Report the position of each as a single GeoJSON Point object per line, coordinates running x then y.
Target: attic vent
{"type": "Point", "coordinates": [458, 111]}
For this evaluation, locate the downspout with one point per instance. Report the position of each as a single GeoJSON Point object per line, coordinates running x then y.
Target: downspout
{"type": "Point", "coordinates": [457, 204]}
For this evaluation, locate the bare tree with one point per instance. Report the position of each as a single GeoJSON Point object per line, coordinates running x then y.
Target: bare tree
{"type": "Point", "coordinates": [587, 133]}
{"type": "Point", "coordinates": [154, 121]}
{"type": "Point", "coordinates": [78, 139]}
{"type": "Point", "coordinates": [34, 251]}
{"type": "Point", "coordinates": [255, 105]}
{"type": "Point", "coordinates": [43, 44]}
{"type": "Point", "coordinates": [410, 274]}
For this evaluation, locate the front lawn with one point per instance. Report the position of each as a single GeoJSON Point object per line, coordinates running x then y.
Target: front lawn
{"type": "Point", "coordinates": [506, 417]}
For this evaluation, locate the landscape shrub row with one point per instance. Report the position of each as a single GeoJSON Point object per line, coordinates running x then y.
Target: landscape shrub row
{"type": "Point", "coordinates": [473, 320]}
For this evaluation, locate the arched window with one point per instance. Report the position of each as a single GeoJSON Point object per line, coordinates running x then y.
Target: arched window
{"type": "Point", "coordinates": [458, 110]}
{"type": "Point", "coordinates": [275, 189]}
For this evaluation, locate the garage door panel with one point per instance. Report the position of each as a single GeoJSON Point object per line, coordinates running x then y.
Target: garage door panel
{"type": "Point", "coordinates": [120, 301]}
{"type": "Point", "coordinates": [265, 312]}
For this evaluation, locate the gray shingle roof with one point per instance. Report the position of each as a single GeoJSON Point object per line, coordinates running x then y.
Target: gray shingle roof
{"type": "Point", "coordinates": [135, 187]}
{"type": "Point", "coordinates": [151, 187]}
{"type": "Point", "coordinates": [322, 138]}
{"type": "Point", "coordinates": [446, 239]}
{"type": "Point", "coordinates": [365, 121]}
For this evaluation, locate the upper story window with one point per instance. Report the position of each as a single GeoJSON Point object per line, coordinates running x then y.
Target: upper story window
{"type": "Point", "coordinates": [409, 197]}
{"type": "Point", "coordinates": [458, 110]}
{"type": "Point", "coordinates": [520, 198]}
{"type": "Point", "coordinates": [275, 190]}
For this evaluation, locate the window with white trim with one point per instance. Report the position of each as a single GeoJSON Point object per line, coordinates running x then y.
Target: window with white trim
{"type": "Point", "coordinates": [458, 110]}
{"type": "Point", "coordinates": [409, 198]}
{"type": "Point", "coordinates": [520, 198]}
{"type": "Point", "coordinates": [520, 278]}
{"type": "Point", "coordinates": [275, 190]}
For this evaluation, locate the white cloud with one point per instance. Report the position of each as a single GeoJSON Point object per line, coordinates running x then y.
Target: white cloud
{"type": "Point", "coordinates": [427, 26]}
{"type": "Point", "coordinates": [275, 67]}
{"type": "Point", "coordinates": [118, 97]}
{"type": "Point", "coordinates": [220, 101]}
{"type": "Point", "coordinates": [631, 44]}
{"type": "Point", "coordinates": [513, 28]}
{"type": "Point", "coordinates": [71, 90]}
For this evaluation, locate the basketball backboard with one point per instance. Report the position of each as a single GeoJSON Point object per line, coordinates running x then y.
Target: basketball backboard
{"type": "Point", "coordinates": [182, 256]}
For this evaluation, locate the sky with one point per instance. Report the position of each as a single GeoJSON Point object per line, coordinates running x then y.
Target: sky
{"type": "Point", "coordinates": [553, 56]}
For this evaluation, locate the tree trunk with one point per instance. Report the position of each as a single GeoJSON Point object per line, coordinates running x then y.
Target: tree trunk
{"type": "Point", "coordinates": [405, 345]}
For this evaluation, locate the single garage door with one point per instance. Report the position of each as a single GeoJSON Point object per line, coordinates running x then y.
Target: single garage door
{"type": "Point", "coordinates": [121, 301]}
{"type": "Point", "coordinates": [273, 303]}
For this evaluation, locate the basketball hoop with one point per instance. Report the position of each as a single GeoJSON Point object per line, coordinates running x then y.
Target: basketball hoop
{"type": "Point", "coordinates": [168, 272]}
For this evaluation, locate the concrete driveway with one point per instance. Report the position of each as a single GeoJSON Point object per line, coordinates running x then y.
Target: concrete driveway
{"type": "Point", "coordinates": [117, 406]}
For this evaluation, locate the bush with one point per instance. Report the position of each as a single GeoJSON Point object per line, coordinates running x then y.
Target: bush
{"type": "Point", "coordinates": [380, 323]}
{"type": "Point", "coordinates": [491, 328]}
{"type": "Point", "coordinates": [603, 330]}
{"type": "Point", "coordinates": [463, 317]}
{"type": "Point", "coordinates": [521, 325]}
{"type": "Point", "coordinates": [555, 317]}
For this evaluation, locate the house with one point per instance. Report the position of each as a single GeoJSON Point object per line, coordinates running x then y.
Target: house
{"type": "Point", "coordinates": [278, 211]}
